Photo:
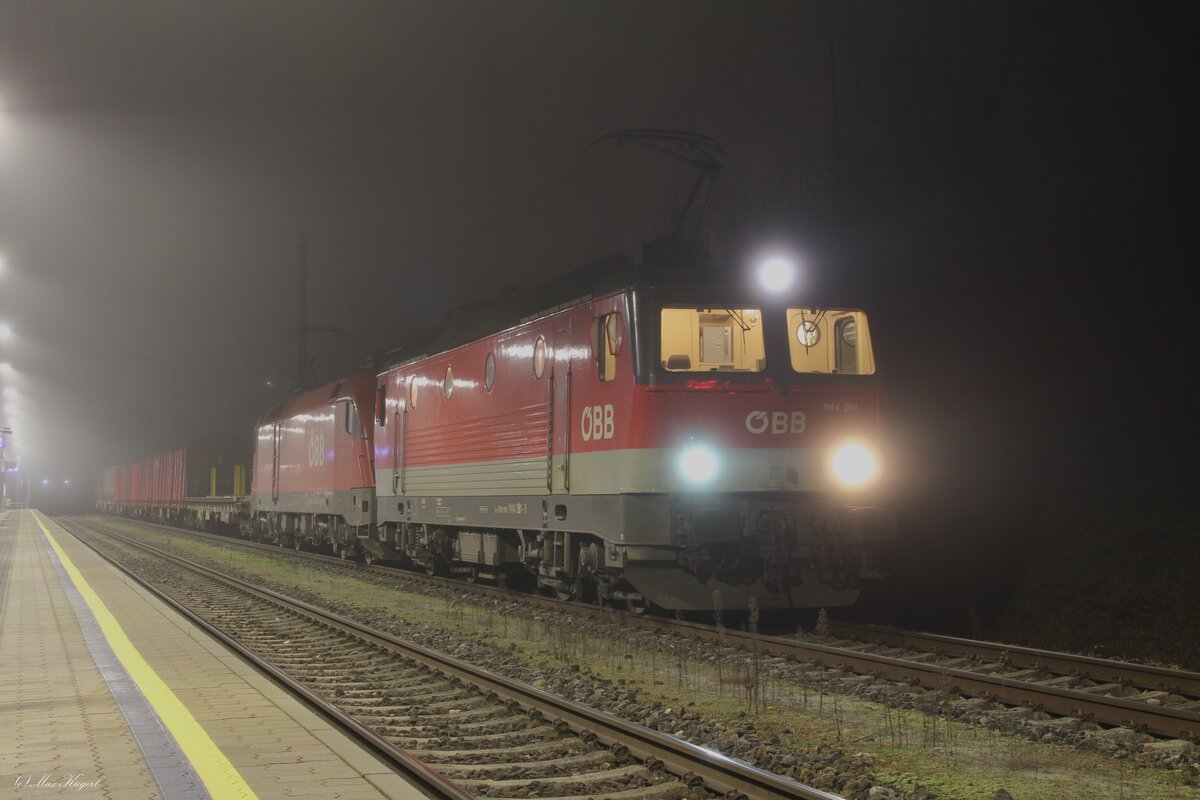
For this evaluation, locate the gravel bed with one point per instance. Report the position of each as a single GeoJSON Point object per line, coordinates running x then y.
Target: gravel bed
{"type": "Point", "coordinates": [841, 770]}
{"type": "Point", "coordinates": [487, 746]}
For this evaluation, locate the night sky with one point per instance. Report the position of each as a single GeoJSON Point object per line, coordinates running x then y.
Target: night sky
{"type": "Point", "coordinates": [1005, 188]}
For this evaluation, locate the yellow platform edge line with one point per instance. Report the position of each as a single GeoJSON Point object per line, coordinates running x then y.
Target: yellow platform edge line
{"type": "Point", "coordinates": [220, 777]}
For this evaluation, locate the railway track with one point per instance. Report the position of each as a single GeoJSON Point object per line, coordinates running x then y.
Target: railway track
{"type": "Point", "coordinates": [454, 729]}
{"type": "Point", "coordinates": [1157, 700]}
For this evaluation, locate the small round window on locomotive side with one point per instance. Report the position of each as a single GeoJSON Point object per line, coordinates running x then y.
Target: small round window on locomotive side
{"type": "Point", "coordinates": [448, 383]}
{"type": "Point", "coordinates": [539, 358]}
{"type": "Point", "coordinates": [489, 372]}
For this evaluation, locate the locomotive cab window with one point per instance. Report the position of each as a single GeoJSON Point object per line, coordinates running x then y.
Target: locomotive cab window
{"type": "Point", "coordinates": [350, 414]}
{"type": "Point", "coordinates": [712, 340]}
{"type": "Point", "coordinates": [381, 405]}
{"type": "Point", "coordinates": [828, 340]}
{"type": "Point", "coordinates": [606, 344]}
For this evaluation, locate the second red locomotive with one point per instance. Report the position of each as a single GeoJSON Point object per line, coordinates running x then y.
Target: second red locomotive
{"type": "Point", "coordinates": [313, 479]}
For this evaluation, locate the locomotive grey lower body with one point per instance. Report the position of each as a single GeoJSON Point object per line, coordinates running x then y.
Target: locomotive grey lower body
{"type": "Point", "coordinates": [680, 551]}
{"type": "Point", "coordinates": [341, 520]}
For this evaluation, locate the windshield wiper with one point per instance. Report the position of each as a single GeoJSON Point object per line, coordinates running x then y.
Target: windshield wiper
{"type": "Point", "coordinates": [737, 317]}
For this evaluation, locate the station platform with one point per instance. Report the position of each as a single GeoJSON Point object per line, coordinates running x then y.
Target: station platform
{"type": "Point", "coordinates": [106, 692]}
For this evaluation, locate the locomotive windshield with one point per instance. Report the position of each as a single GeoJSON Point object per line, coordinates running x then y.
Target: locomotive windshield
{"type": "Point", "coordinates": [830, 340]}
{"type": "Point", "coordinates": [712, 340]}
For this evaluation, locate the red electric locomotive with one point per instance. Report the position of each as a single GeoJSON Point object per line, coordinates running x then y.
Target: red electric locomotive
{"type": "Point", "coordinates": [649, 435]}
{"type": "Point", "coordinates": [312, 466]}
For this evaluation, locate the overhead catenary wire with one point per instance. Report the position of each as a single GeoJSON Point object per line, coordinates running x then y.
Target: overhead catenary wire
{"type": "Point", "coordinates": [473, 236]}
{"type": "Point", "coordinates": [667, 53]}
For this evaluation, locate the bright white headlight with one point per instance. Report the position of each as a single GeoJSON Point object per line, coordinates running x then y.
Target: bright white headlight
{"type": "Point", "coordinates": [854, 465]}
{"type": "Point", "coordinates": [698, 463]}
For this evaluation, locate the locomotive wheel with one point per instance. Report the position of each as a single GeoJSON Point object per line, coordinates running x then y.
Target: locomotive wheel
{"type": "Point", "coordinates": [580, 590]}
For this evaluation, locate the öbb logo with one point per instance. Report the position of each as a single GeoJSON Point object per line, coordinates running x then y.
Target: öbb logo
{"type": "Point", "coordinates": [776, 422]}
{"type": "Point", "coordinates": [597, 422]}
{"type": "Point", "coordinates": [316, 450]}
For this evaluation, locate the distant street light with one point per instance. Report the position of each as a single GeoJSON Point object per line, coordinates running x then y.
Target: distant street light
{"type": "Point", "coordinates": [776, 273]}
{"type": "Point", "coordinates": [5, 331]}
{"type": "Point", "coordinates": [5, 368]}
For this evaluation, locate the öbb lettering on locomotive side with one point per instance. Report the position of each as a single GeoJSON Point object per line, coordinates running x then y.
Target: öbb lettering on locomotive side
{"type": "Point", "coordinates": [597, 422]}
{"type": "Point", "coordinates": [645, 435]}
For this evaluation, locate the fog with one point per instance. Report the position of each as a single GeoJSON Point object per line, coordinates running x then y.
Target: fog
{"type": "Point", "coordinates": [1000, 188]}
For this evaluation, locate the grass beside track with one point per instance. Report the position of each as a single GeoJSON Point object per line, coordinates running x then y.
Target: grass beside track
{"type": "Point", "coordinates": [950, 759]}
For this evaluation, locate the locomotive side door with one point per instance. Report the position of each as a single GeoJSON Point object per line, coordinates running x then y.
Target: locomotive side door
{"type": "Point", "coordinates": [399, 423]}
{"type": "Point", "coordinates": [560, 412]}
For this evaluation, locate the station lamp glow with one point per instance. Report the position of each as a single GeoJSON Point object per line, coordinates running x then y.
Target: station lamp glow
{"type": "Point", "coordinates": [5, 331]}
{"type": "Point", "coordinates": [776, 273]}
{"type": "Point", "coordinates": [5, 368]}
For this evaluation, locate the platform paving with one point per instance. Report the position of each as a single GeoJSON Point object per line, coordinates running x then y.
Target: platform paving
{"type": "Point", "coordinates": [63, 733]}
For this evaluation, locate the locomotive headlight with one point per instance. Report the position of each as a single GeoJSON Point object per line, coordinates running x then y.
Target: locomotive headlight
{"type": "Point", "coordinates": [854, 465]}
{"type": "Point", "coordinates": [698, 463]}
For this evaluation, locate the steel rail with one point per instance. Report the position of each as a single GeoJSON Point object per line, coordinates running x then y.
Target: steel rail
{"type": "Point", "coordinates": [1146, 676]}
{"type": "Point", "coordinates": [686, 760]}
{"type": "Point", "coordinates": [1161, 720]}
{"type": "Point", "coordinates": [420, 774]}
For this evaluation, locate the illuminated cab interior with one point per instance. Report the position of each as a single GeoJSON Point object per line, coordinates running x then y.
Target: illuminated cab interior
{"type": "Point", "coordinates": [830, 341]}
{"type": "Point", "coordinates": [820, 340]}
{"type": "Point", "coordinates": [712, 340]}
